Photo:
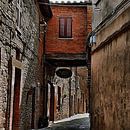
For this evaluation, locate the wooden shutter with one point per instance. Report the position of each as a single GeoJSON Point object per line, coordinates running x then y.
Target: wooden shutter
{"type": "Point", "coordinates": [59, 97]}
{"type": "Point", "coordinates": [69, 27]}
{"type": "Point", "coordinates": [62, 29]}
{"type": "Point", "coordinates": [65, 27]}
{"type": "Point", "coordinates": [52, 100]}
{"type": "Point", "coordinates": [16, 109]}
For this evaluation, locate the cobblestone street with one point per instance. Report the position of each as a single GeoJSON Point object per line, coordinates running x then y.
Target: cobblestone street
{"type": "Point", "coordinates": [74, 124]}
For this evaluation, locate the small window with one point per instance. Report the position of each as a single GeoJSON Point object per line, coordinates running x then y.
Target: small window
{"type": "Point", "coordinates": [65, 27]}
{"type": "Point", "coordinates": [17, 54]}
{"type": "Point", "coordinates": [19, 13]}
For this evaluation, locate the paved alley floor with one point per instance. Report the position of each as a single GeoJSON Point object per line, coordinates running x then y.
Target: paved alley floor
{"type": "Point", "coordinates": [77, 122]}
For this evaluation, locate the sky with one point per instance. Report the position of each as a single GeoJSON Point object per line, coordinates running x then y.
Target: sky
{"type": "Point", "coordinates": [68, 0]}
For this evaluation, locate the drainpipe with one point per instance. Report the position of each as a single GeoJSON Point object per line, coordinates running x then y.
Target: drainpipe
{"type": "Point", "coordinates": [45, 74]}
{"type": "Point", "coordinates": [89, 85]}
{"type": "Point", "coordinates": [43, 28]}
{"type": "Point", "coordinates": [89, 78]}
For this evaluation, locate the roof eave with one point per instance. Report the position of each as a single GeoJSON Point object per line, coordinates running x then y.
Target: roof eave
{"type": "Point", "coordinates": [45, 9]}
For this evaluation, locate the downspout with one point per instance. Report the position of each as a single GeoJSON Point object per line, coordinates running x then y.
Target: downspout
{"type": "Point", "coordinates": [44, 74]}
{"type": "Point", "coordinates": [42, 119]}
{"type": "Point", "coordinates": [89, 85]}
{"type": "Point", "coordinates": [47, 14]}
{"type": "Point", "coordinates": [89, 78]}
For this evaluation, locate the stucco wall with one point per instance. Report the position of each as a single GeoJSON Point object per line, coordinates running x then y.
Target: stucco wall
{"type": "Point", "coordinates": [102, 10]}
{"type": "Point", "coordinates": [110, 76]}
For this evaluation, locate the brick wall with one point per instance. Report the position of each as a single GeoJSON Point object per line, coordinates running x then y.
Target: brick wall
{"type": "Point", "coordinates": [79, 31]}
{"type": "Point", "coordinates": [73, 91]}
{"type": "Point", "coordinates": [89, 18]}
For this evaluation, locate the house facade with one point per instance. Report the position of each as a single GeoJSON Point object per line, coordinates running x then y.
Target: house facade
{"type": "Point", "coordinates": [19, 63]}
{"type": "Point", "coordinates": [68, 30]}
{"type": "Point", "coordinates": [66, 48]}
{"type": "Point", "coordinates": [110, 65]}
{"type": "Point", "coordinates": [70, 95]}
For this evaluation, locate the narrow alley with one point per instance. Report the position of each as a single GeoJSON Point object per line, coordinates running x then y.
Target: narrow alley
{"type": "Point", "coordinates": [64, 64]}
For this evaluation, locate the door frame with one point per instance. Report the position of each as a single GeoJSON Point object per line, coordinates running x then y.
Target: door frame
{"type": "Point", "coordinates": [19, 65]}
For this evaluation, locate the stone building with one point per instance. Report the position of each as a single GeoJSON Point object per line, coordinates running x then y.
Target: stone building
{"type": "Point", "coordinates": [66, 47]}
{"type": "Point", "coordinates": [19, 82]}
{"type": "Point", "coordinates": [71, 94]}
{"type": "Point", "coordinates": [110, 64]}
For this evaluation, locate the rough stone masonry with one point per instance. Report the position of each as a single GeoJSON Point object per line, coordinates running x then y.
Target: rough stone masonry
{"type": "Point", "coordinates": [17, 40]}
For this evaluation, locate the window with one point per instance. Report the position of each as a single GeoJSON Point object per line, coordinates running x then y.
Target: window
{"type": "Point", "coordinates": [17, 54]}
{"type": "Point", "coordinates": [65, 27]}
{"type": "Point", "coordinates": [19, 13]}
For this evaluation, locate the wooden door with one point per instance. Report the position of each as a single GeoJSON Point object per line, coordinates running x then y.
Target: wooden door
{"type": "Point", "coordinates": [16, 109]}
{"type": "Point", "coordinates": [52, 97]}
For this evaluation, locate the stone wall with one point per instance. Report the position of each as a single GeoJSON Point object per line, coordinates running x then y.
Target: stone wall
{"type": "Point", "coordinates": [73, 93]}
{"type": "Point", "coordinates": [26, 41]}
{"type": "Point", "coordinates": [110, 74]}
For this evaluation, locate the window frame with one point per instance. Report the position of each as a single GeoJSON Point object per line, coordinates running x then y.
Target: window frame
{"type": "Point", "coordinates": [65, 35]}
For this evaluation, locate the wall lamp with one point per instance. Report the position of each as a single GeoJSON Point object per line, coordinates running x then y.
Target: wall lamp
{"type": "Point", "coordinates": [92, 40]}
